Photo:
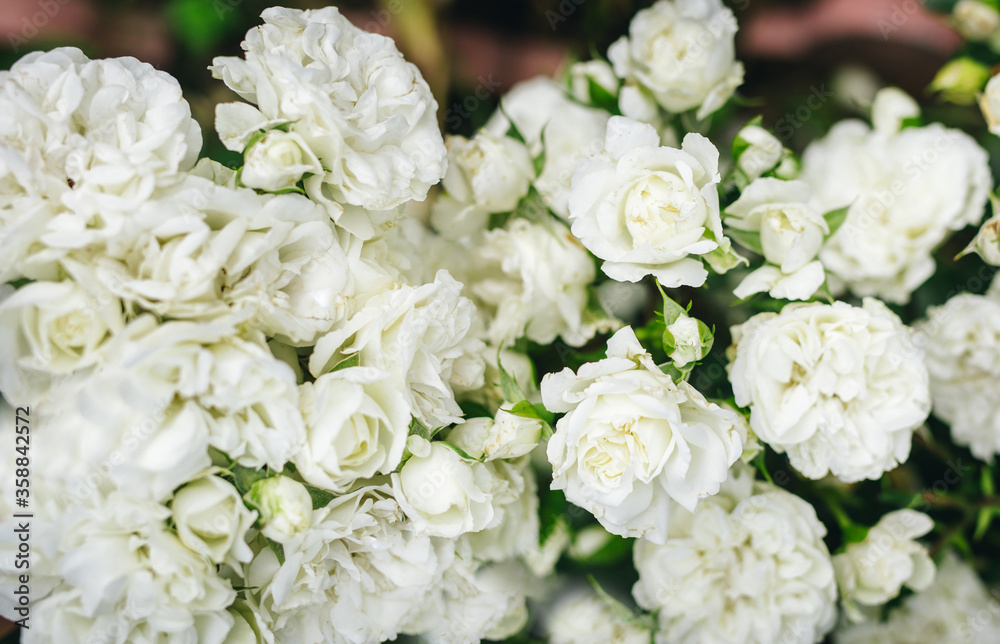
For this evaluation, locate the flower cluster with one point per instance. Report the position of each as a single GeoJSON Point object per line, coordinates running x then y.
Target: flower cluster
{"type": "Point", "coordinates": [373, 381]}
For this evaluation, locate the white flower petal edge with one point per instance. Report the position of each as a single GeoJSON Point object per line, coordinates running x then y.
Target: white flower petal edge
{"type": "Point", "coordinates": [633, 443]}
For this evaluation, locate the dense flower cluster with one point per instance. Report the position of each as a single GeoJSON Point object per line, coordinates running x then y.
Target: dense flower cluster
{"type": "Point", "coordinates": [352, 388]}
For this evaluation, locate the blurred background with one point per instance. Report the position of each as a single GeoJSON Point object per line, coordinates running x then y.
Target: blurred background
{"type": "Point", "coordinates": [471, 51]}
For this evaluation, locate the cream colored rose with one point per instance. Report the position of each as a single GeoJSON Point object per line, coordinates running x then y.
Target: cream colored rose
{"type": "Point", "coordinates": [357, 420]}
{"type": "Point", "coordinates": [212, 520]}
{"type": "Point", "coordinates": [681, 52]}
{"type": "Point", "coordinates": [873, 571]}
{"type": "Point", "coordinates": [278, 161]}
{"type": "Point", "coordinates": [632, 442]}
{"type": "Point", "coordinates": [651, 210]}
{"type": "Point", "coordinates": [839, 388]}
{"type": "Point", "coordinates": [444, 494]}
{"type": "Point", "coordinates": [285, 507]}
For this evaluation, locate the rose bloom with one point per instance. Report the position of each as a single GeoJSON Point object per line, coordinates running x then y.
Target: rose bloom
{"type": "Point", "coordinates": [632, 440]}
{"type": "Point", "coordinates": [957, 607]}
{"type": "Point", "coordinates": [874, 571]}
{"type": "Point", "coordinates": [962, 345]}
{"type": "Point", "coordinates": [839, 388]}
{"type": "Point", "coordinates": [486, 174]}
{"type": "Point", "coordinates": [681, 54]}
{"type": "Point", "coordinates": [906, 191]}
{"type": "Point", "coordinates": [791, 234]}
{"type": "Point", "coordinates": [357, 421]}
{"type": "Point", "coordinates": [444, 494]}
{"type": "Point", "coordinates": [356, 105]}
{"type": "Point", "coordinates": [651, 210]}
{"type": "Point", "coordinates": [748, 565]}
{"type": "Point", "coordinates": [555, 125]}
{"type": "Point", "coordinates": [84, 143]}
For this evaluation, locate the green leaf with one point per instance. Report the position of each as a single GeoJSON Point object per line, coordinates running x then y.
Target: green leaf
{"type": "Point", "coordinates": [417, 429]}
{"type": "Point", "coordinates": [748, 239]}
{"type": "Point", "coordinates": [245, 477]}
{"type": "Point", "coordinates": [279, 550]}
{"type": "Point", "coordinates": [347, 363]}
{"type": "Point", "coordinates": [671, 309]}
{"type": "Point", "coordinates": [525, 409]}
{"type": "Point", "coordinates": [538, 163]}
{"type": "Point", "coordinates": [835, 219]}
{"type": "Point", "coordinates": [512, 392]}
{"type": "Point", "coordinates": [854, 533]}
{"type": "Point", "coordinates": [601, 97]}
{"type": "Point", "coordinates": [512, 130]}
{"type": "Point", "coordinates": [320, 497]}
{"type": "Point", "coordinates": [461, 452]}
{"type": "Point", "coordinates": [707, 337]}
{"type": "Point", "coordinates": [983, 521]}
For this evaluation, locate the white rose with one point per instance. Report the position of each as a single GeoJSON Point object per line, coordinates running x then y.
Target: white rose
{"type": "Point", "coordinates": [839, 388]}
{"type": "Point", "coordinates": [631, 440]}
{"type": "Point", "coordinates": [285, 507]}
{"type": "Point", "coordinates": [254, 398]}
{"type": "Point", "coordinates": [442, 493]}
{"type": "Point", "coordinates": [358, 575]}
{"type": "Point", "coordinates": [104, 135]}
{"type": "Point", "coordinates": [791, 234]}
{"type": "Point", "coordinates": [989, 103]}
{"type": "Point", "coordinates": [532, 280]}
{"type": "Point", "coordinates": [955, 608]}
{"type": "Point", "coordinates": [423, 335]}
{"type": "Point", "coordinates": [962, 346]}
{"type": "Point", "coordinates": [515, 501]}
{"type": "Point", "coordinates": [975, 19]}
{"type": "Point", "coordinates": [278, 161]}
{"type": "Point", "coordinates": [906, 191]}
{"type": "Point", "coordinates": [682, 53]}
{"type": "Point", "coordinates": [874, 571]}
{"type": "Point", "coordinates": [650, 210]}
{"type": "Point", "coordinates": [486, 174]}
{"type": "Point", "coordinates": [357, 421]}
{"type": "Point", "coordinates": [791, 231]}
{"type": "Point", "coordinates": [581, 617]}
{"type": "Point", "coordinates": [473, 602]}
{"type": "Point", "coordinates": [504, 436]}
{"type": "Point", "coordinates": [749, 565]}
{"type": "Point", "coordinates": [212, 520]}
{"type": "Point", "coordinates": [209, 250]}
{"type": "Point", "coordinates": [554, 124]}
{"type": "Point", "coordinates": [108, 432]}
{"type": "Point", "coordinates": [156, 589]}
{"type": "Point", "coordinates": [51, 329]}
{"type": "Point", "coordinates": [364, 112]}
{"type": "Point", "coordinates": [890, 108]}
{"type": "Point", "coordinates": [762, 152]}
